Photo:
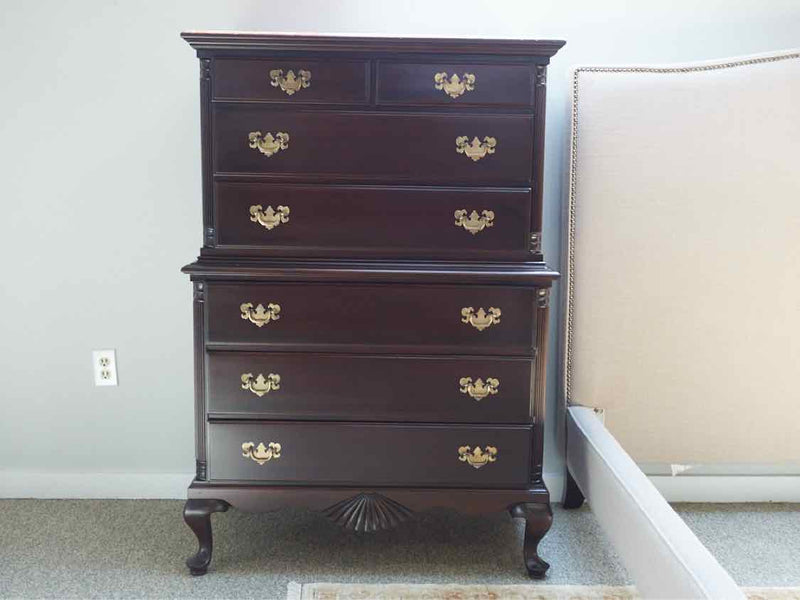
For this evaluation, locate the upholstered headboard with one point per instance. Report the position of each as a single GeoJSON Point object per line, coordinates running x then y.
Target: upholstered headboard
{"type": "Point", "coordinates": [682, 316]}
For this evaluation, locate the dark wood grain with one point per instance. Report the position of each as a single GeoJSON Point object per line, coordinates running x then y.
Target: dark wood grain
{"type": "Point", "coordinates": [253, 497]}
{"type": "Point", "coordinates": [368, 511]}
{"type": "Point", "coordinates": [369, 388]}
{"type": "Point", "coordinates": [371, 274]}
{"type": "Point", "coordinates": [206, 145]}
{"type": "Point", "coordinates": [538, 519]}
{"type": "Point", "coordinates": [332, 81]}
{"type": "Point", "coordinates": [496, 84]}
{"type": "Point", "coordinates": [374, 146]}
{"type": "Point", "coordinates": [254, 43]}
{"type": "Point", "coordinates": [397, 317]}
{"type": "Point", "coordinates": [365, 220]}
{"type": "Point", "coordinates": [199, 319]}
{"type": "Point", "coordinates": [197, 515]}
{"type": "Point", "coordinates": [369, 454]}
{"type": "Point", "coordinates": [223, 267]}
{"type": "Point", "coordinates": [538, 389]}
{"type": "Point", "coordinates": [537, 174]}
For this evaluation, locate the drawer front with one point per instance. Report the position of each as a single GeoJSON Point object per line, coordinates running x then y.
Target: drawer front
{"type": "Point", "coordinates": [371, 454]}
{"type": "Point", "coordinates": [455, 84]}
{"type": "Point", "coordinates": [292, 80]}
{"type": "Point", "coordinates": [373, 318]}
{"type": "Point", "coordinates": [413, 148]}
{"type": "Point", "coordinates": [270, 385]}
{"type": "Point", "coordinates": [350, 219]}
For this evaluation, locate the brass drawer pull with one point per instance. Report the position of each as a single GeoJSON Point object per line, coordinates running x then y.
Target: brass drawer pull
{"type": "Point", "coordinates": [267, 143]}
{"type": "Point", "coordinates": [476, 389]}
{"type": "Point", "coordinates": [269, 218]}
{"type": "Point", "coordinates": [290, 82]}
{"type": "Point", "coordinates": [476, 149]}
{"type": "Point", "coordinates": [454, 86]}
{"type": "Point", "coordinates": [474, 222]}
{"type": "Point", "coordinates": [262, 385]}
{"type": "Point", "coordinates": [260, 316]}
{"type": "Point", "coordinates": [480, 320]}
{"type": "Point", "coordinates": [477, 457]}
{"type": "Point", "coordinates": [261, 453]}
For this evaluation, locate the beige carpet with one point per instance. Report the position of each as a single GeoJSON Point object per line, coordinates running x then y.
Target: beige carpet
{"type": "Point", "coordinates": [345, 591]}
{"type": "Point", "coordinates": [87, 549]}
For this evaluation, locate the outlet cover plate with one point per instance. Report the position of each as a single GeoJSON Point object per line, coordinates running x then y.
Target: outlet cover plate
{"type": "Point", "coordinates": [105, 367]}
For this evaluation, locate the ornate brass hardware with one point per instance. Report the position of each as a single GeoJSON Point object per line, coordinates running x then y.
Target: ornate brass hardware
{"type": "Point", "coordinates": [454, 86]}
{"type": "Point", "coordinates": [477, 389]}
{"type": "Point", "coordinates": [260, 316]}
{"type": "Point", "coordinates": [480, 320]}
{"type": "Point", "coordinates": [474, 222]}
{"type": "Point", "coordinates": [477, 457]}
{"type": "Point", "coordinates": [269, 218]}
{"type": "Point", "coordinates": [262, 385]}
{"type": "Point", "coordinates": [261, 453]}
{"type": "Point", "coordinates": [267, 143]}
{"type": "Point", "coordinates": [476, 149]}
{"type": "Point", "coordinates": [290, 82]}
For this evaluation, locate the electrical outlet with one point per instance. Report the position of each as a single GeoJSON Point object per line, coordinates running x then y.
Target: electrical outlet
{"type": "Point", "coordinates": [105, 367]}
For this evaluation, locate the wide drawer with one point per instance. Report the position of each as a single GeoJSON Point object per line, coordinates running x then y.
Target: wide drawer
{"type": "Point", "coordinates": [372, 318]}
{"type": "Point", "coordinates": [455, 84]}
{"type": "Point", "coordinates": [389, 146]}
{"type": "Point", "coordinates": [363, 453]}
{"type": "Point", "coordinates": [270, 385]}
{"type": "Point", "coordinates": [313, 220]}
{"type": "Point", "coordinates": [292, 79]}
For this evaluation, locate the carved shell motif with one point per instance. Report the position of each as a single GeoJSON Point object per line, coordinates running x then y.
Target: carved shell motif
{"type": "Point", "coordinates": [368, 512]}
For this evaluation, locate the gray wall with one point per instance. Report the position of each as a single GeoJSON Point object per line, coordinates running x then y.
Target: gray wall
{"type": "Point", "coordinates": [100, 174]}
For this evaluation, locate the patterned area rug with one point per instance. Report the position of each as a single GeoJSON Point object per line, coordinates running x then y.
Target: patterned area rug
{"type": "Point", "coordinates": [350, 591]}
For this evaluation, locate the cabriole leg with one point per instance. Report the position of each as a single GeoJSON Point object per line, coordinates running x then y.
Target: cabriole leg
{"type": "Point", "coordinates": [197, 514]}
{"type": "Point", "coordinates": [538, 519]}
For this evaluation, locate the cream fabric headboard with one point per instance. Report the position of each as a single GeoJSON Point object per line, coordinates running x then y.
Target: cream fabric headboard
{"type": "Point", "coordinates": [682, 268]}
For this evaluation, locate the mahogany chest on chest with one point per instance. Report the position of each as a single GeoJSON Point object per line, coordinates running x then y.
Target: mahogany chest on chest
{"type": "Point", "coordinates": [370, 301]}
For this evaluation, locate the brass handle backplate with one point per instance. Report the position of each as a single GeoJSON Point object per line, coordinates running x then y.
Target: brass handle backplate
{"type": "Point", "coordinates": [476, 149]}
{"type": "Point", "coordinates": [261, 385]}
{"type": "Point", "coordinates": [260, 316]}
{"type": "Point", "coordinates": [290, 82]}
{"type": "Point", "coordinates": [453, 85]}
{"type": "Point", "coordinates": [480, 319]}
{"type": "Point", "coordinates": [477, 457]}
{"type": "Point", "coordinates": [267, 143]}
{"type": "Point", "coordinates": [478, 389]}
{"type": "Point", "coordinates": [269, 218]}
{"type": "Point", "coordinates": [261, 453]}
{"type": "Point", "coordinates": [474, 222]}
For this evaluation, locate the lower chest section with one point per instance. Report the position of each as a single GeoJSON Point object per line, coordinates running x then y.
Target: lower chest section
{"type": "Point", "coordinates": [369, 384]}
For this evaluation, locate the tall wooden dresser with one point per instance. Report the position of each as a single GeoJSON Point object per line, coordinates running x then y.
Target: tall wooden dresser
{"type": "Point", "coordinates": [370, 301]}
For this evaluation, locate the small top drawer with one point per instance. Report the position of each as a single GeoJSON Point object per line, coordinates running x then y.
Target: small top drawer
{"type": "Point", "coordinates": [456, 84]}
{"type": "Point", "coordinates": [292, 80]}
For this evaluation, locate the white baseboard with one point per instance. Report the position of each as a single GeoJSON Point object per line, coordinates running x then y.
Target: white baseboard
{"type": "Point", "coordinates": [728, 488]}
{"type": "Point", "coordinates": [555, 484]}
{"type": "Point", "coordinates": [686, 488]}
{"type": "Point", "coordinates": [54, 484]}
